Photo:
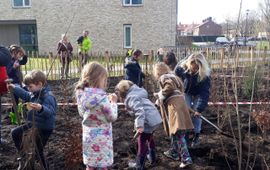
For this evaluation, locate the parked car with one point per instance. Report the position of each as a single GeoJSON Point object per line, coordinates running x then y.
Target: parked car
{"type": "Point", "coordinates": [240, 41]}
{"type": "Point", "coordinates": [222, 41]}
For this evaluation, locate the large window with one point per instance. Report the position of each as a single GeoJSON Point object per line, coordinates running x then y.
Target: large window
{"type": "Point", "coordinates": [132, 2]}
{"type": "Point", "coordinates": [127, 36]}
{"type": "Point", "coordinates": [28, 37]}
{"type": "Point", "coordinates": [21, 3]}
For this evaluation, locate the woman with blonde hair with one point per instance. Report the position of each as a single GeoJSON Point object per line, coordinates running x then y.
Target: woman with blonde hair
{"type": "Point", "coordinates": [98, 110]}
{"type": "Point", "coordinates": [174, 111]}
{"type": "Point", "coordinates": [195, 73]}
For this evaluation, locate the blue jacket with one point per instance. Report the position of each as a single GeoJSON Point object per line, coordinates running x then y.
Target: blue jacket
{"type": "Point", "coordinates": [45, 119]}
{"type": "Point", "coordinates": [200, 90]}
{"type": "Point", "coordinates": [134, 72]}
{"type": "Point", "coordinates": [15, 73]}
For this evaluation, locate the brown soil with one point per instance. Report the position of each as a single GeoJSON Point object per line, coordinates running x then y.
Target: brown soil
{"type": "Point", "coordinates": [216, 151]}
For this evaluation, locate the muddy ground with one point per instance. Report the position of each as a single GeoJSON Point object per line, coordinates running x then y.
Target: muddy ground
{"type": "Point", "coordinates": [216, 151]}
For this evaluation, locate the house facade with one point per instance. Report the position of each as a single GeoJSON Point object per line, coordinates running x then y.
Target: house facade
{"type": "Point", "coordinates": [208, 28]}
{"type": "Point", "coordinates": [113, 25]}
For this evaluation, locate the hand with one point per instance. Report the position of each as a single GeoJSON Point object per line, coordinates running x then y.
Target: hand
{"type": "Point", "coordinates": [157, 103]}
{"type": "Point", "coordinates": [155, 95]}
{"type": "Point", "coordinates": [35, 106]}
{"type": "Point", "coordinates": [113, 98]}
{"type": "Point", "coordinates": [197, 114]}
{"type": "Point", "coordinates": [16, 64]}
{"type": "Point", "coordinates": [140, 129]}
{"type": "Point", "coordinates": [10, 86]}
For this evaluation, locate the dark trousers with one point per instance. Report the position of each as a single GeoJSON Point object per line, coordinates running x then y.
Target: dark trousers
{"type": "Point", "coordinates": [41, 138]}
{"type": "Point", "coordinates": [145, 143]}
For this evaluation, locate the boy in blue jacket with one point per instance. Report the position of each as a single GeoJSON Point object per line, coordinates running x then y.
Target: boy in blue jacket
{"type": "Point", "coordinates": [41, 113]}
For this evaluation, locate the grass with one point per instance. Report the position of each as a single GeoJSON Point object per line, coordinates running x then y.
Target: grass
{"type": "Point", "coordinates": [262, 44]}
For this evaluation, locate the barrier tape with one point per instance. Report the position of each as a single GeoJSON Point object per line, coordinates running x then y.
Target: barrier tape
{"type": "Point", "coordinates": [209, 103]}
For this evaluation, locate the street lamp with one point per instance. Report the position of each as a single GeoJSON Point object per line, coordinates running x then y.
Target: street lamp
{"type": "Point", "coordinates": [245, 42]}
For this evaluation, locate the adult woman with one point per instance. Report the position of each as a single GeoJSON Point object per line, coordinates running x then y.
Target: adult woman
{"type": "Point", "coordinates": [65, 51]}
{"type": "Point", "coordinates": [195, 73]}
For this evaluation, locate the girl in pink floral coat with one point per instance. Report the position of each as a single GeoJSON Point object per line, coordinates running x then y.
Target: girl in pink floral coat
{"type": "Point", "coordinates": [98, 110]}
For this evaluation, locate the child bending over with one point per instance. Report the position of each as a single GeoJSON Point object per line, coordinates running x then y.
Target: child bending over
{"type": "Point", "coordinates": [98, 110]}
{"type": "Point", "coordinates": [147, 119]}
{"type": "Point", "coordinates": [174, 111]}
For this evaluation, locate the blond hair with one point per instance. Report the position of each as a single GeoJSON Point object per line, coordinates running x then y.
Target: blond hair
{"type": "Point", "coordinates": [92, 75]}
{"type": "Point", "coordinates": [198, 59]}
{"type": "Point", "coordinates": [34, 77]}
{"type": "Point", "coordinates": [160, 69]}
{"type": "Point", "coordinates": [122, 88]}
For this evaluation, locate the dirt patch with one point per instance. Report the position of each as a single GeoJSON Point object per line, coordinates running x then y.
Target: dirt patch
{"type": "Point", "coordinates": [63, 150]}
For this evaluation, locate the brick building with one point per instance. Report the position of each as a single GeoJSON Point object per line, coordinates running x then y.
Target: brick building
{"type": "Point", "coordinates": [113, 25]}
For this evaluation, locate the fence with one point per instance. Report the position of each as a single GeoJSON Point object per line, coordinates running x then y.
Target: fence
{"type": "Point", "coordinates": [114, 61]}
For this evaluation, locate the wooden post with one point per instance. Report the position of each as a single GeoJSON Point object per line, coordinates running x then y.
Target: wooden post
{"type": "Point", "coordinates": [222, 57]}
{"type": "Point", "coordinates": [264, 55]}
{"type": "Point", "coordinates": [251, 55]}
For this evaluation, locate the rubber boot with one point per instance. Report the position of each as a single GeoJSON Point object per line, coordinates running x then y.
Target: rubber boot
{"type": "Point", "coordinates": [196, 140]}
{"type": "Point", "coordinates": [140, 162]}
{"type": "Point", "coordinates": [152, 156]}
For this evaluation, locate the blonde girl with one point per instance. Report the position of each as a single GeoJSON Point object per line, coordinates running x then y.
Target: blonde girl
{"type": "Point", "coordinates": [98, 110]}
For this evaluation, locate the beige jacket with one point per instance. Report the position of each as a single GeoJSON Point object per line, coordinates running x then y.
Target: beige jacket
{"type": "Point", "coordinates": [174, 111]}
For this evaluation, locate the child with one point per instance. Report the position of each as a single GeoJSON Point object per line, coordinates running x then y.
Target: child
{"type": "Point", "coordinates": [175, 113]}
{"type": "Point", "coordinates": [41, 115]}
{"type": "Point", "coordinates": [147, 119]}
{"type": "Point", "coordinates": [170, 60]}
{"type": "Point", "coordinates": [133, 69]}
{"type": "Point", "coordinates": [195, 73]}
{"type": "Point", "coordinates": [18, 58]}
{"type": "Point", "coordinates": [98, 110]}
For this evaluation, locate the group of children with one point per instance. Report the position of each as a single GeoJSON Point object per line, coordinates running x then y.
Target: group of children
{"type": "Point", "coordinates": [99, 109]}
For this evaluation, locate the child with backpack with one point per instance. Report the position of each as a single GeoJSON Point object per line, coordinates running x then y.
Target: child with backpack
{"type": "Point", "coordinates": [174, 111]}
{"type": "Point", "coordinates": [147, 119]}
{"type": "Point", "coordinates": [41, 113]}
{"type": "Point", "coordinates": [98, 110]}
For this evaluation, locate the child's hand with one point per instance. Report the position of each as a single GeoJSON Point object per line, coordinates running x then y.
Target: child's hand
{"type": "Point", "coordinates": [155, 95]}
{"type": "Point", "coordinates": [113, 98]}
{"type": "Point", "coordinates": [35, 106]}
{"type": "Point", "coordinates": [140, 129]}
{"type": "Point", "coordinates": [197, 114]}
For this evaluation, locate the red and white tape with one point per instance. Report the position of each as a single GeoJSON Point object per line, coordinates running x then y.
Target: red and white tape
{"type": "Point", "coordinates": [209, 103]}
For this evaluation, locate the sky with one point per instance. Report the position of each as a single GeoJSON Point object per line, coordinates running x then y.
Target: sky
{"type": "Point", "coordinates": [194, 11]}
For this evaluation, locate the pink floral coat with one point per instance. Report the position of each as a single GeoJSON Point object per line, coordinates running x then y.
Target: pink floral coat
{"type": "Point", "coordinates": [98, 113]}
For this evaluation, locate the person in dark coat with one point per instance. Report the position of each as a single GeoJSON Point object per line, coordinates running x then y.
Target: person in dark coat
{"type": "Point", "coordinates": [5, 58]}
{"type": "Point", "coordinates": [195, 73]}
{"type": "Point", "coordinates": [133, 69]}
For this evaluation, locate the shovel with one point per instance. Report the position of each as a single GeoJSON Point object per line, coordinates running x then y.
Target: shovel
{"type": "Point", "coordinates": [215, 126]}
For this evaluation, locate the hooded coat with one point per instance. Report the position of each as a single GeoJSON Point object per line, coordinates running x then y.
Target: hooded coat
{"type": "Point", "coordinates": [146, 114]}
{"type": "Point", "coordinates": [98, 114]}
{"type": "Point", "coordinates": [174, 111]}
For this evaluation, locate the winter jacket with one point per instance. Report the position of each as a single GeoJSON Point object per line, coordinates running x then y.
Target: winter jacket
{"type": "Point", "coordinates": [85, 44]}
{"type": "Point", "coordinates": [174, 111]}
{"type": "Point", "coordinates": [3, 77]}
{"type": "Point", "coordinates": [134, 72]}
{"type": "Point", "coordinates": [199, 90]}
{"type": "Point", "coordinates": [5, 56]}
{"type": "Point", "coordinates": [44, 119]}
{"type": "Point", "coordinates": [98, 114]}
{"type": "Point", "coordinates": [15, 73]}
{"type": "Point", "coordinates": [146, 114]}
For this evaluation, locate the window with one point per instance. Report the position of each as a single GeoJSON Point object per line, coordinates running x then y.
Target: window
{"type": "Point", "coordinates": [132, 2]}
{"type": "Point", "coordinates": [127, 36]}
{"type": "Point", "coordinates": [21, 3]}
{"type": "Point", "coordinates": [28, 37]}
